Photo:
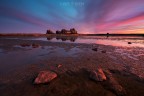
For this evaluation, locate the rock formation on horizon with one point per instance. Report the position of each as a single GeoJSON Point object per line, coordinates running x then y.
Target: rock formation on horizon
{"type": "Point", "coordinates": [49, 32]}
{"type": "Point", "coordinates": [63, 31]}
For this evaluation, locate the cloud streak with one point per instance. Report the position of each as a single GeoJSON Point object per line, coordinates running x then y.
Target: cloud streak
{"type": "Point", "coordinates": [87, 16]}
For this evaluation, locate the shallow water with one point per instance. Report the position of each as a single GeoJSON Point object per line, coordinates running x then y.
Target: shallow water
{"type": "Point", "coordinates": [121, 41]}
{"type": "Point", "coordinates": [20, 64]}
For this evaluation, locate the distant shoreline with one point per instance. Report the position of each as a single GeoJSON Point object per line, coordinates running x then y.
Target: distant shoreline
{"type": "Point", "coordinates": [37, 34]}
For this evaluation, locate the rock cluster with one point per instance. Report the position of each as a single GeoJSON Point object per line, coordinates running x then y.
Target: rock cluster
{"type": "Point", "coordinates": [63, 31]}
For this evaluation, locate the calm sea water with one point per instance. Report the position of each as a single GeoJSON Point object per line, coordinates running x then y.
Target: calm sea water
{"type": "Point", "coordinates": [137, 41]}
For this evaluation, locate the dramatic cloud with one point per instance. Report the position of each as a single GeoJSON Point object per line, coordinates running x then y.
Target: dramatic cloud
{"type": "Point", "coordinates": [87, 16]}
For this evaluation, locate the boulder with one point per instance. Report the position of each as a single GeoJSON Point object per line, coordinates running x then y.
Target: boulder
{"type": "Point", "coordinates": [114, 85]}
{"type": "Point", "coordinates": [45, 77]}
{"type": "Point", "coordinates": [98, 75]}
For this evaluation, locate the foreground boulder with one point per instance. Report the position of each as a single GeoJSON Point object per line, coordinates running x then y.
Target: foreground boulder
{"type": "Point", "coordinates": [114, 85]}
{"type": "Point", "coordinates": [98, 75]}
{"type": "Point", "coordinates": [45, 77]}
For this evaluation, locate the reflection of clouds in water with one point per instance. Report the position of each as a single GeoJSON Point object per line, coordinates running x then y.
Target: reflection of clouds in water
{"type": "Point", "coordinates": [127, 53]}
{"type": "Point", "coordinates": [113, 41]}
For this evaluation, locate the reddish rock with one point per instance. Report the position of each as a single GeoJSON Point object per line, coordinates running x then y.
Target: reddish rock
{"type": "Point", "coordinates": [114, 85]}
{"type": "Point", "coordinates": [98, 75]}
{"type": "Point", "coordinates": [45, 77]}
{"type": "Point", "coordinates": [60, 65]}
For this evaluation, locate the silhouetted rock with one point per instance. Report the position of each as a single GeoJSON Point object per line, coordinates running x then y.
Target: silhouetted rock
{"type": "Point", "coordinates": [49, 32]}
{"type": "Point", "coordinates": [129, 43]}
{"type": "Point", "coordinates": [73, 31]}
{"type": "Point", "coordinates": [45, 77]}
{"type": "Point", "coordinates": [63, 31]}
{"type": "Point", "coordinates": [58, 32]}
{"type": "Point", "coordinates": [114, 85]}
{"type": "Point", "coordinates": [98, 75]}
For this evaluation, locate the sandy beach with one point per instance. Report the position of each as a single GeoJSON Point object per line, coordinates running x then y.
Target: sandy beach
{"type": "Point", "coordinates": [22, 59]}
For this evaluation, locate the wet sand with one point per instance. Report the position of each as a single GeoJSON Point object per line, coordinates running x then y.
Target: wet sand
{"type": "Point", "coordinates": [20, 65]}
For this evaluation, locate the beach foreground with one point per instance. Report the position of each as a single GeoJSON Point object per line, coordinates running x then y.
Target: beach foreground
{"type": "Point", "coordinates": [21, 60]}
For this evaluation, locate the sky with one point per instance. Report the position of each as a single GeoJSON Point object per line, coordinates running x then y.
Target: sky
{"type": "Point", "coordinates": [86, 16]}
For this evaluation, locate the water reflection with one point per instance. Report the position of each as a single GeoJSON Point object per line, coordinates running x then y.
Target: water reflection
{"type": "Point", "coordinates": [104, 40]}
{"type": "Point", "coordinates": [64, 38]}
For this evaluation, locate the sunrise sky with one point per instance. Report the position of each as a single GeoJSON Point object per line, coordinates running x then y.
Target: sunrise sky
{"type": "Point", "coordinates": [87, 16]}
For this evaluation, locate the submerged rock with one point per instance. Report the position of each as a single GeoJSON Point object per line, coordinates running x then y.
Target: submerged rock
{"type": "Point", "coordinates": [95, 49]}
{"type": "Point", "coordinates": [34, 45]}
{"type": "Point", "coordinates": [103, 51]}
{"type": "Point", "coordinates": [45, 77]}
{"type": "Point", "coordinates": [98, 75]}
{"type": "Point", "coordinates": [114, 85]}
{"type": "Point", "coordinates": [25, 45]}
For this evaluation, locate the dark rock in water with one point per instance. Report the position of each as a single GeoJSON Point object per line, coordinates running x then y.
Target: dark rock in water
{"type": "Point", "coordinates": [95, 49]}
{"type": "Point", "coordinates": [98, 75]}
{"type": "Point", "coordinates": [129, 43]}
{"type": "Point", "coordinates": [114, 85]}
{"type": "Point", "coordinates": [103, 51]}
{"type": "Point", "coordinates": [45, 77]}
{"type": "Point", "coordinates": [25, 45]}
{"type": "Point", "coordinates": [34, 45]}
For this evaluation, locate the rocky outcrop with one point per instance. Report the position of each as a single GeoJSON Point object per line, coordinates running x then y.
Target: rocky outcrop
{"type": "Point", "coordinates": [73, 31]}
{"type": "Point", "coordinates": [49, 32]}
{"type": "Point", "coordinates": [98, 75]}
{"type": "Point", "coordinates": [64, 31]}
{"type": "Point", "coordinates": [45, 77]}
